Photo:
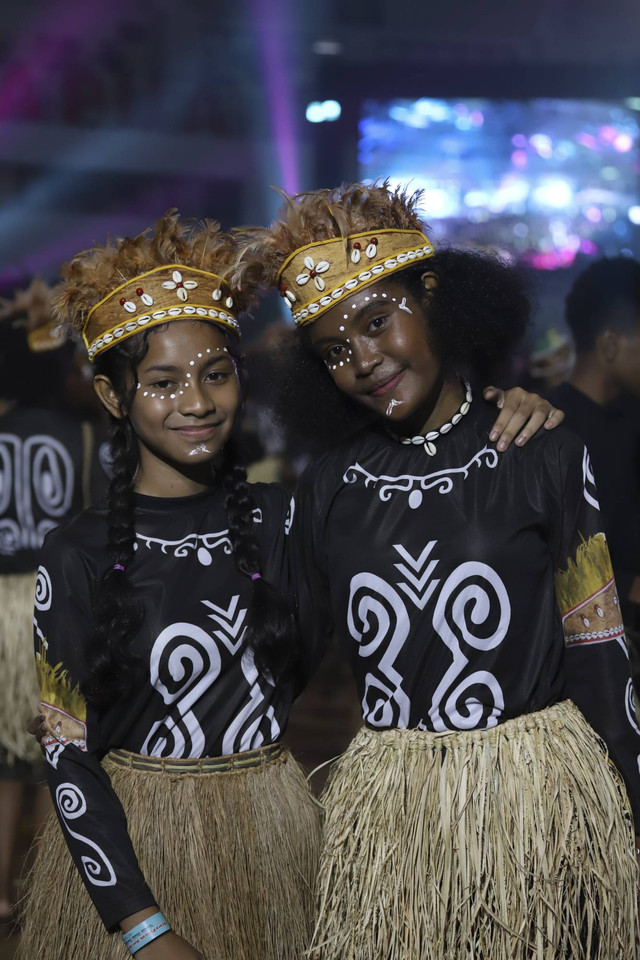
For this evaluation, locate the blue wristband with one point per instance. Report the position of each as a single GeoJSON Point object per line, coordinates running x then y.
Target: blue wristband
{"type": "Point", "coordinates": [144, 932]}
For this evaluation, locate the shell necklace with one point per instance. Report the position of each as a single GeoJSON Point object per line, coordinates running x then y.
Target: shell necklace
{"type": "Point", "coordinates": [427, 440]}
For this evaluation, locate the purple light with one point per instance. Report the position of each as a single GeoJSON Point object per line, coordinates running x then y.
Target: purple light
{"type": "Point", "coordinates": [270, 16]}
{"type": "Point", "coordinates": [608, 134]}
{"type": "Point", "coordinates": [594, 214]}
{"type": "Point", "coordinates": [519, 140]}
{"type": "Point", "coordinates": [519, 158]}
{"type": "Point", "coordinates": [587, 140]}
{"type": "Point", "coordinates": [37, 59]}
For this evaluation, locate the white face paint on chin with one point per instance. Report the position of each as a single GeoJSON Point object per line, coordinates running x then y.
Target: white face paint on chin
{"type": "Point", "coordinates": [393, 403]}
{"type": "Point", "coordinates": [200, 448]}
{"type": "Point", "coordinates": [403, 306]}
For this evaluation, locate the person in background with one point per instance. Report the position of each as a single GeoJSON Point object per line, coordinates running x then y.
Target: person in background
{"type": "Point", "coordinates": [600, 401]}
{"type": "Point", "coordinates": [48, 471]}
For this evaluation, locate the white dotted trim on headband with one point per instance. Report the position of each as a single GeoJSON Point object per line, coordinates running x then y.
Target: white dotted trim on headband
{"type": "Point", "coordinates": [172, 313]}
{"type": "Point", "coordinates": [391, 263]}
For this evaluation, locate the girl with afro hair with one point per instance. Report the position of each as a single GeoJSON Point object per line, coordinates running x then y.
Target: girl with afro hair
{"type": "Point", "coordinates": [477, 813]}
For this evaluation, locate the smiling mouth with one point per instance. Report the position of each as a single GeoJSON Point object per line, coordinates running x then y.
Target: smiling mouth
{"type": "Point", "coordinates": [197, 433]}
{"type": "Point", "coordinates": [381, 388]}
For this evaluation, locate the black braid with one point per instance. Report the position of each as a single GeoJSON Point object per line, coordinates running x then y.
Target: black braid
{"type": "Point", "coordinates": [117, 607]}
{"type": "Point", "coordinates": [270, 627]}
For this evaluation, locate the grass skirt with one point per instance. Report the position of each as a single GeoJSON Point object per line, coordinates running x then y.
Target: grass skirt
{"type": "Point", "coordinates": [19, 700]}
{"type": "Point", "coordinates": [231, 858]}
{"type": "Point", "coordinates": [514, 843]}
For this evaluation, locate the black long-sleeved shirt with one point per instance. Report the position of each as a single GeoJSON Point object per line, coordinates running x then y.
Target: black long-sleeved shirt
{"type": "Point", "coordinates": [201, 696]}
{"type": "Point", "coordinates": [467, 588]}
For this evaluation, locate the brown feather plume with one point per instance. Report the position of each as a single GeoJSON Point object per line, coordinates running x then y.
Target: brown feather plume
{"type": "Point", "coordinates": [320, 215]}
{"type": "Point", "coordinates": [94, 273]}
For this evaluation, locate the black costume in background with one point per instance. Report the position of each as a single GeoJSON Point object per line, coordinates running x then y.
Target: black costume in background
{"type": "Point", "coordinates": [613, 439]}
{"type": "Point", "coordinates": [49, 470]}
{"type": "Point", "coordinates": [200, 695]}
{"type": "Point", "coordinates": [437, 574]}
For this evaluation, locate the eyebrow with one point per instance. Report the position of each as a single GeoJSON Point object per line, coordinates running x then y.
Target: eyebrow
{"type": "Point", "coordinates": [365, 308]}
{"type": "Point", "coordinates": [171, 368]}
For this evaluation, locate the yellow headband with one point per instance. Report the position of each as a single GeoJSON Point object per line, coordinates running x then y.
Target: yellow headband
{"type": "Point", "coordinates": [170, 292]}
{"type": "Point", "coordinates": [321, 274]}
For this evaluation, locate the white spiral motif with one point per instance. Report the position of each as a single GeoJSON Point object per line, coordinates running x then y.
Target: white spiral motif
{"type": "Point", "coordinates": [44, 590]}
{"type": "Point", "coordinates": [71, 804]}
{"type": "Point", "coordinates": [473, 596]}
{"type": "Point", "coordinates": [185, 661]}
{"type": "Point", "coordinates": [377, 618]}
{"type": "Point", "coordinates": [51, 470]}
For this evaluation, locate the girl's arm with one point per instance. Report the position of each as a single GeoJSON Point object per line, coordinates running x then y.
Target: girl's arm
{"type": "Point", "coordinates": [91, 816]}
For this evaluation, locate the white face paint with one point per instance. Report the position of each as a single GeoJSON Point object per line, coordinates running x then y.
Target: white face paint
{"type": "Point", "coordinates": [403, 306]}
{"type": "Point", "coordinates": [182, 386]}
{"type": "Point", "coordinates": [200, 448]}
{"type": "Point", "coordinates": [392, 404]}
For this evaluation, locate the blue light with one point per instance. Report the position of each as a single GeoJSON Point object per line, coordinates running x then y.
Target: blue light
{"type": "Point", "coordinates": [318, 111]}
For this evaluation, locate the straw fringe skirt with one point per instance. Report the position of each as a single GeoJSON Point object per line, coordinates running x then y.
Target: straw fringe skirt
{"type": "Point", "coordinates": [514, 843]}
{"type": "Point", "coordinates": [230, 856]}
{"type": "Point", "coordinates": [19, 700]}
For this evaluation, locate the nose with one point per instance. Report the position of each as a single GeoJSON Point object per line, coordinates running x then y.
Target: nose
{"type": "Point", "coordinates": [195, 401]}
{"type": "Point", "coordinates": [364, 356]}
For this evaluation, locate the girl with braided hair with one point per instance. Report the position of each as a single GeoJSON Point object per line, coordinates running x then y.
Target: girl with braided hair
{"type": "Point", "coordinates": [163, 643]}
{"type": "Point", "coordinates": [477, 814]}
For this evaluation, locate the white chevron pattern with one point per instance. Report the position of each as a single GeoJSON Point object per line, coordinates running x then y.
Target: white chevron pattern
{"type": "Point", "coordinates": [420, 586]}
{"type": "Point", "coordinates": [231, 622]}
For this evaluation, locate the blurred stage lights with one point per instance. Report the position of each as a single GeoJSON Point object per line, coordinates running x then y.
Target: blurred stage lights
{"type": "Point", "coordinates": [634, 214]}
{"type": "Point", "coordinates": [320, 111]}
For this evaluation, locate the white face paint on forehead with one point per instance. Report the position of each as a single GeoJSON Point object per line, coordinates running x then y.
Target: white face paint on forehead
{"type": "Point", "coordinates": [403, 306]}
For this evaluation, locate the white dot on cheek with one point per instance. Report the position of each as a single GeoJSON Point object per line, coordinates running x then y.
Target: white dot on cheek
{"type": "Point", "coordinates": [366, 298]}
{"type": "Point", "coordinates": [345, 316]}
{"type": "Point", "coordinates": [146, 393]}
{"type": "Point", "coordinates": [341, 329]}
{"type": "Point", "coordinates": [384, 294]}
{"type": "Point", "coordinates": [375, 294]}
{"type": "Point", "coordinates": [173, 396]}
{"type": "Point", "coordinates": [191, 363]}
{"type": "Point", "coordinates": [199, 355]}
{"type": "Point", "coordinates": [153, 394]}
{"type": "Point", "coordinates": [208, 350]}
{"type": "Point", "coordinates": [188, 376]}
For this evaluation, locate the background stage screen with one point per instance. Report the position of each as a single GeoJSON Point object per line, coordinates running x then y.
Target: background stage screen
{"type": "Point", "coordinates": [545, 180]}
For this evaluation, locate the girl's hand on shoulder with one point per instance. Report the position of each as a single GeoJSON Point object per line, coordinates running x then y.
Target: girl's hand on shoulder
{"type": "Point", "coordinates": [169, 947]}
{"type": "Point", "coordinates": [521, 415]}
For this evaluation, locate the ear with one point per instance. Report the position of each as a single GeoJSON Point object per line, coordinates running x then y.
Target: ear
{"type": "Point", "coordinates": [108, 396]}
{"type": "Point", "coordinates": [429, 281]}
{"type": "Point", "coordinates": [609, 345]}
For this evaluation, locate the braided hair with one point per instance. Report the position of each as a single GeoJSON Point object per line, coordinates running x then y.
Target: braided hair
{"type": "Point", "coordinates": [118, 608]}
